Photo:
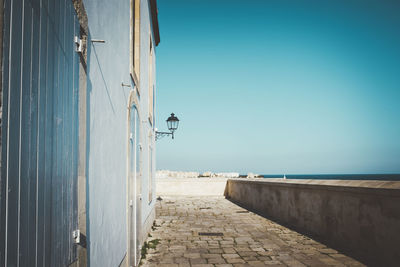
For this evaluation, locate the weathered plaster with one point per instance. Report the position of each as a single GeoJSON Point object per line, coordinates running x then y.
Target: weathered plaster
{"type": "Point", "coordinates": [147, 136]}
{"type": "Point", "coordinates": [108, 68]}
{"type": "Point", "coordinates": [110, 92]}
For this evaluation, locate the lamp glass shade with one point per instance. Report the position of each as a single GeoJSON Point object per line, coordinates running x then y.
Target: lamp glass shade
{"type": "Point", "coordinates": [172, 122]}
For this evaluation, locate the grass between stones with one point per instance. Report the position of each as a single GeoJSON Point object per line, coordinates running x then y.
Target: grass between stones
{"type": "Point", "coordinates": [152, 244]}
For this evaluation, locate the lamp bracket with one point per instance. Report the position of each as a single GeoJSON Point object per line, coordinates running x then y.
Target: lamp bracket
{"type": "Point", "coordinates": [160, 135]}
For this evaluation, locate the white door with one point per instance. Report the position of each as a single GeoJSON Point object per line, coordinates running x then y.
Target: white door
{"type": "Point", "coordinates": [134, 191]}
{"type": "Point", "coordinates": [138, 189]}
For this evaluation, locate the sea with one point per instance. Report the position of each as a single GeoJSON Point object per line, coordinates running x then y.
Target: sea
{"type": "Point", "coordinates": [381, 177]}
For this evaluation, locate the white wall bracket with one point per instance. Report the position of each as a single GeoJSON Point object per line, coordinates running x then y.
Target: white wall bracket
{"type": "Point", "coordinates": [76, 235]}
{"type": "Point", "coordinates": [79, 44]}
{"type": "Point", "coordinates": [79, 238]}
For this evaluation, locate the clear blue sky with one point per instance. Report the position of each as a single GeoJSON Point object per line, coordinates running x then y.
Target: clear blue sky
{"type": "Point", "coordinates": [279, 86]}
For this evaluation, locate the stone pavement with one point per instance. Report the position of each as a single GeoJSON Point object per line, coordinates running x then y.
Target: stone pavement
{"type": "Point", "coordinates": [212, 231]}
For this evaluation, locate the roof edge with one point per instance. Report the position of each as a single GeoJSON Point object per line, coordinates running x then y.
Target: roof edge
{"type": "Point", "coordinates": [154, 20]}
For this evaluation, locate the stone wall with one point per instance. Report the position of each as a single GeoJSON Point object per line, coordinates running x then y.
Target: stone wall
{"type": "Point", "coordinates": [360, 218]}
{"type": "Point", "coordinates": [190, 186]}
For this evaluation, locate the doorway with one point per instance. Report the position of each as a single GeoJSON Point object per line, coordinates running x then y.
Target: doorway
{"type": "Point", "coordinates": [134, 188]}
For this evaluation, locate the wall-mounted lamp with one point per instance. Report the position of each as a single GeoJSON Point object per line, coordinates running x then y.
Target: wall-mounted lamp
{"type": "Point", "coordinates": [172, 123]}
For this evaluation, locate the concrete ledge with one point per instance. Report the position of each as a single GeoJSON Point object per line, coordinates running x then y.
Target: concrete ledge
{"type": "Point", "coordinates": [361, 218]}
{"type": "Point", "coordinates": [191, 186]}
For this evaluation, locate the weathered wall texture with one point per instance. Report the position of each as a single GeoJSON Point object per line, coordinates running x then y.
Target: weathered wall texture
{"type": "Point", "coordinates": [362, 221]}
{"type": "Point", "coordinates": [107, 68]}
{"type": "Point", "coordinates": [109, 86]}
{"type": "Point", "coordinates": [191, 186]}
{"type": "Point", "coordinates": [147, 134]}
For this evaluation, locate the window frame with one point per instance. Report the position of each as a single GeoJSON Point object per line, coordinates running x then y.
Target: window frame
{"type": "Point", "coordinates": [135, 43]}
{"type": "Point", "coordinates": [151, 82]}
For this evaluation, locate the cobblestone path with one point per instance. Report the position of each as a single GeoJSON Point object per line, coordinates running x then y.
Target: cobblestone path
{"type": "Point", "coordinates": [196, 231]}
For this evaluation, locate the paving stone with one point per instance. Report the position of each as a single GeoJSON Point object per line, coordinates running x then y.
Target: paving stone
{"type": "Point", "coordinates": [247, 253]}
{"type": "Point", "coordinates": [216, 260]}
{"type": "Point", "coordinates": [216, 250]}
{"type": "Point", "coordinates": [264, 258]}
{"type": "Point", "coordinates": [181, 260]}
{"type": "Point", "coordinates": [235, 260]}
{"type": "Point", "coordinates": [210, 256]}
{"type": "Point", "coordinates": [198, 261]}
{"type": "Point", "coordinates": [247, 238]}
{"type": "Point", "coordinates": [294, 263]}
{"type": "Point", "coordinates": [273, 263]}
{"type": "Point", "coordinates": [191, 255]}
{"type": "Point", "coordinates": [229, 250]}
{"type": "Point", "coordinates": [230, 256]}
{"type": "Point", "coordinates": [242, 249]}
{"type": "Point", "coordinates": [256, 263]}
{"type": "Point", "coordinates": [250, 258]}
{"type": "Point", "coordinates": [166, 260]}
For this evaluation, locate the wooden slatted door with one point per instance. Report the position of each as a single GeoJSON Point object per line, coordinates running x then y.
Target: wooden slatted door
{"type": "Point", "coordinates": [38, 184]}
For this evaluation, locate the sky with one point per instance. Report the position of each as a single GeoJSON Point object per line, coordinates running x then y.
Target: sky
{"type": "Point", "coordinates": [279, 86]}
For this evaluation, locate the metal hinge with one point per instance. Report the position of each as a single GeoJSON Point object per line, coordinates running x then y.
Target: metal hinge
{"type": "Point", "coordinates": [79, 238]}
{"type": "Point", "coordinates": [79, 44]}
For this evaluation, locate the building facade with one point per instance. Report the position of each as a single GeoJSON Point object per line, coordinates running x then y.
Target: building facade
{"type": "Point", "coordinates": [77, 182]}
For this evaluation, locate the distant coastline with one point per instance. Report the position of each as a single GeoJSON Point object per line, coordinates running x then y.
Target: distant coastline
{"type": "Point", "coordinates": [379, 177]}
{"type": "Point", "coordinates": [208, 174]}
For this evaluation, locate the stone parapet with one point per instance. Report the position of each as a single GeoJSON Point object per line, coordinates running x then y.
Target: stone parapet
{"type": "Point", "coordinates": [361, 218]}
{"type": "Point", "coordinates": [191, 186]}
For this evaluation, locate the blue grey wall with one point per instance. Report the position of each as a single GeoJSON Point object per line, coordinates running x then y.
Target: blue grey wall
{"type": "Point", "coordinates": [108, 67]}
{"type": "Point", "coordinates": [147, 136]}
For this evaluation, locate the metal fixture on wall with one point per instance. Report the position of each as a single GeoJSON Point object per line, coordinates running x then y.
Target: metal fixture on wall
{"type": "Point", "coordinates": [125, 85]}
{"type": "Point", "coordinates": [79, 44]}
{"type": "Point", "coordinates": [97, 41]}
{"type": "Point", "coordinates": [172, 123]}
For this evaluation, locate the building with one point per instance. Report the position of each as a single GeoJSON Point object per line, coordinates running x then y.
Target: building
{"type": "Point", "coordinates": [78, 131]}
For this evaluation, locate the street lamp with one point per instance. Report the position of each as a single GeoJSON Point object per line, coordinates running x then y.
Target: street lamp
{"type": "Point", "coordinates": [172, 124]}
